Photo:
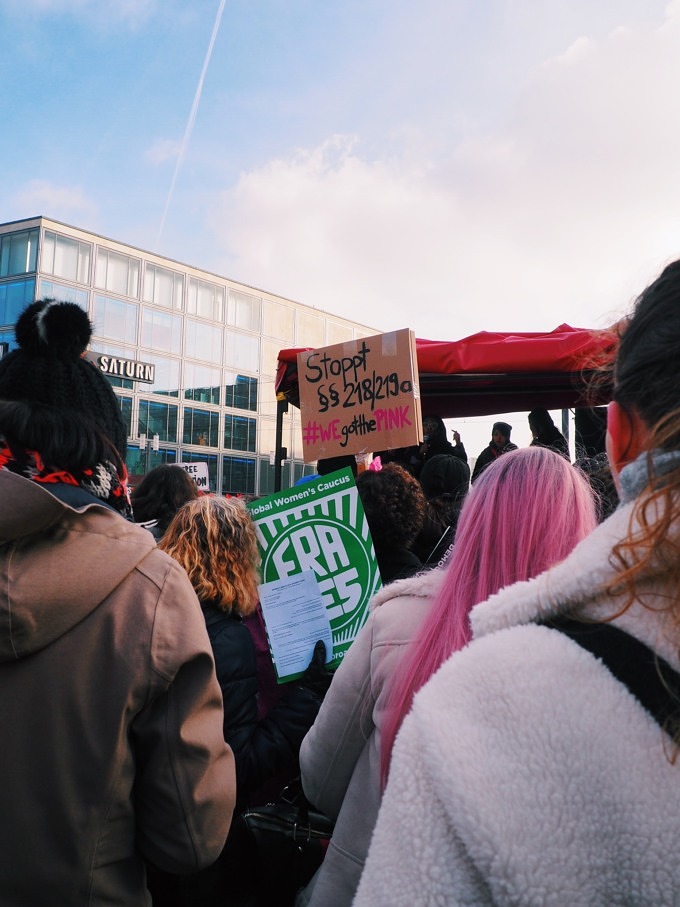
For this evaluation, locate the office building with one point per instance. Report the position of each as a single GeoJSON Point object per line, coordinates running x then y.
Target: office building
{"type": "Point", "coordinates": [191, 355]}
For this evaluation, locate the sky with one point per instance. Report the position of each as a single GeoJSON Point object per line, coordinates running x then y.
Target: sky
{"type": "Point", "coordinates": [449, 166]}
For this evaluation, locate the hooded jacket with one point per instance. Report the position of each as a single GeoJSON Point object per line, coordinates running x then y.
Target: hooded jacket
{"type": "Point", "coordinates": [526, 773]}
{"type": "Point", "coordinates": [112, 749]}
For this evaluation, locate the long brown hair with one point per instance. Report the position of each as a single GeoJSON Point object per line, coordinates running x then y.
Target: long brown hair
{"type": "Point", "coordinates": [214, 539]}
{"type": "Point", "coordinates": [647, 381]}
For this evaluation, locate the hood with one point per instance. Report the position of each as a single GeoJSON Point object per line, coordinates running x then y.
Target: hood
{"type": "Point", "coordinates": [57, 563]}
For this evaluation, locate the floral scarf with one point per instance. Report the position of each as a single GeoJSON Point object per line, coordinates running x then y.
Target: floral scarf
{"type": "Point", "coordinates": [103, 481]}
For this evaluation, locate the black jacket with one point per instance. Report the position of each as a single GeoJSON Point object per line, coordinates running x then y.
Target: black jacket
{"type": "Point", "coordinates": [265, 748]}
{"type": "Point", "coordinates": [488, 455]}
{"type": "Point", "coordinates": [553, 438]}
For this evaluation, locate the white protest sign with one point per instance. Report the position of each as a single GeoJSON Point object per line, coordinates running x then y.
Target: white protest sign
{"type": "Point", "coordinates": [198, 472]}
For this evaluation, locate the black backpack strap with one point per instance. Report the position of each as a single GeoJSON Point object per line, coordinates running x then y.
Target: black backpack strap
{"type": "Point", "coordinates": [648, 677]}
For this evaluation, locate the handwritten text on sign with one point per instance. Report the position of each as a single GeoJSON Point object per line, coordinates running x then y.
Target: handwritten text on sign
{"type": "Point", "coordinates": [198, 472]}
{"type": "Point", "coordinates": [359, 396]}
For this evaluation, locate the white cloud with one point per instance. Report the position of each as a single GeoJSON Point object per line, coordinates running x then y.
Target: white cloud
{"type": "Point", "coordinates": [162, 150]}
{"type": "Point", "coordinates": [70, 203]}
{"type": "Point", "coordinates": [562, 214]}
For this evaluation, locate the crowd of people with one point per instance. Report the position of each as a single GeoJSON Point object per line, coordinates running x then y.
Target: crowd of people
{"type": "Point", "coordinates": [502, 730]}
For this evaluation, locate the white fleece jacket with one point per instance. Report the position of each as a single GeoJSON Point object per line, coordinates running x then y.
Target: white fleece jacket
{"type": "Point", "coordinates": [526, 774]}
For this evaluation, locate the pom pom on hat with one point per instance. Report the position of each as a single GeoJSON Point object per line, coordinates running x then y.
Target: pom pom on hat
{"type": "Point", "coordinates": [49, 367]}
{"type": "Point", "coordinates": [49, 327]}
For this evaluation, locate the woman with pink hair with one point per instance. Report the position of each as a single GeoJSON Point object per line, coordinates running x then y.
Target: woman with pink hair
{"type": "Point", "coordinates": [524, 514]}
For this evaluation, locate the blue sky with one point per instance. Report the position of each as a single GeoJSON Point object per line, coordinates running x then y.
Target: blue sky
{"type": "Point", "coordinates": [444, 165]}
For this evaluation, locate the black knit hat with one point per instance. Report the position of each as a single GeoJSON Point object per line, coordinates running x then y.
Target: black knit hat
{"type": "Point", "coordinates": [49, 367]}
{"type": "Point", "coordinates": [503, 428]}
{"type": "Point", "coordinates": [445, 474]}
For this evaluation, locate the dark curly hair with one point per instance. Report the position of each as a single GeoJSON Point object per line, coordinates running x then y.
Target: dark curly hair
{"type": "Point", "coordinates": [394, 504]}
{"type": "Point", "coordinates": [161, 493]}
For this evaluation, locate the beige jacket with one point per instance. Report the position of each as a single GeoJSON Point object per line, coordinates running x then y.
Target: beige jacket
{"type": "Point", "coordinates": [340, 756]}
{"type": "Point", "coordinates": [111, 716]}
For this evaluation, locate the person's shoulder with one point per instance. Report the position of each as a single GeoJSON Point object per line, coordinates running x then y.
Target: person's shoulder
{"type": "Point", "coordinates": [422, 585]}
{"type": "Point", "coordinates": [399, 607]}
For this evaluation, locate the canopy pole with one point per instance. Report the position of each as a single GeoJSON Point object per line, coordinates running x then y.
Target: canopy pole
{"type": "Point", "coordinates": [281, 453]}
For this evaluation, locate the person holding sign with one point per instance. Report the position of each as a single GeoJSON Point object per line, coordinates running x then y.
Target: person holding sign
{"type": "Point", "coordinates": [213, 538]}
{"type": "Point", "coordinates": [414, 625]}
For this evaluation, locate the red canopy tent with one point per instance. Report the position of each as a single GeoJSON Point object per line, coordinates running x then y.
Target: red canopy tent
{"type": "Point", "coordinates": [489, 373]}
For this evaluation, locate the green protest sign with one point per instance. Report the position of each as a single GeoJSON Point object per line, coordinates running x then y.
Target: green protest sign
{"type": "Point", "coordinates": [320, 526]}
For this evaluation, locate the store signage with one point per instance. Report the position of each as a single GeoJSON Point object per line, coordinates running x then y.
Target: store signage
{"type": "Point", "coordinates": [114, 366]}
{"type": "Point", "coordinates": [360, 397]}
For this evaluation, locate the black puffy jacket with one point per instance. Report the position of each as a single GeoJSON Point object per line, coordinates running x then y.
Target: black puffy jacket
{"type": "Point", "coordinates": [262, 749]}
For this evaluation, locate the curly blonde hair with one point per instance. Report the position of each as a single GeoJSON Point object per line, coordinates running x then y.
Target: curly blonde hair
{"type": "Point", "coordinates": [214, 539]}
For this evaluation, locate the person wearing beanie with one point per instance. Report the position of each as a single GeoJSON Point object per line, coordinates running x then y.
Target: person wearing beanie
{"type": "Point", "coordinates": [545, 433]}
{"type": "Point", "coordinates": [499, 444]}
{"type": "Point", "coordinates": [445, 481]}
{"type": "Point", "coordinates": [107, 682]}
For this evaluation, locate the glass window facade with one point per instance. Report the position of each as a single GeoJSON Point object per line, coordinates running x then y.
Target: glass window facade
{"type": "Point", "coordinates": [202, 383]}
{"type": "Point", "coordinates": [126, 412]}
{"type": "Point", "coordinates": [205, 299]}
{"type": "Point", "coordinates": [242, 352]}
{"type": "Point", "coordinates": [157, 419]}
{"type": "Point", "coordinates": [163, 287]}
{"type": "Point", "coordinates": [203, 341]}
{"type": "Point", "coordinates": [51, 289]}
{"type": "Point", "coordinates": [244, 311]}
{"type": "Point", "coordinates": [162, 331]}
{"type": "Point", "coordinates": [15, 295]}
{"type": "Point", "coordinates": [214, 346]}
{"type": "Point", "coordinates": [239, 432]}
{"type": "Point", "coordinates": [117, 273]}
{"type": "Point", "coordinates": [66, 257]}
{"type": "Point", "coordinates": [139, 461]}
{"type": "Point", "coordinates": [115, 319]}
{"type": "Point", "coordinates": [240, 392]}
{"type": "Point", "coordinates": [166, 377]}
{"type": "Point", "coordinates": [7, 342]}
{"type": "Point", "coordinates": [238, 475]}
{"type": "Point", "coordinates": [18, 253]}
{"type": "Point", "coordinates": [201, 426]}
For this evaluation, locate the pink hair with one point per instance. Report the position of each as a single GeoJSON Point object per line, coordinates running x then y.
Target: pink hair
{"type": "Point", "coordinates": [525, 513]}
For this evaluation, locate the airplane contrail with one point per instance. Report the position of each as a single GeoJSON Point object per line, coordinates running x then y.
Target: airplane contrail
{"type": "Point", "coordinates": [192, 118]}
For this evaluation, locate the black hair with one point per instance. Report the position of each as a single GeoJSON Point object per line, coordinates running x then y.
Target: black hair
{"type": "Point", "coordinates": [65, 439]}
{"type": "Point", "coordinates": [161, 493]}
{"type": "Point", "coordinates": [646, 373]}
{"type": "Point", "coordinates": [434, 427]}
{"type": "Point", "coordinates": [394, 504]}
{"type": "Point", "coordinates": [540, 419]}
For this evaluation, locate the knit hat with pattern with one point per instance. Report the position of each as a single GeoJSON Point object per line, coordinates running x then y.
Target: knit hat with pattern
{"type": "Point", "coordinates": [48, 367]}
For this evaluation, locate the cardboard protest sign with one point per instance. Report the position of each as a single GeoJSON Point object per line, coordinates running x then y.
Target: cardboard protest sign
{"type": "Point", "coordinates": [321, 527]}
{"type": "Point", "coordinates": [198, 472]}
{"type": "Point", "coordinates": [360, 396]}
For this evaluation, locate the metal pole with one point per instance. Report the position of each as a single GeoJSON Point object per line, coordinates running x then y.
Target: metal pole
{"type": "Point", "coordinates": [280, 453]}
